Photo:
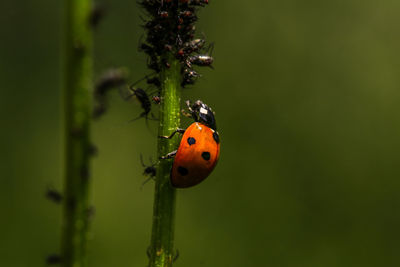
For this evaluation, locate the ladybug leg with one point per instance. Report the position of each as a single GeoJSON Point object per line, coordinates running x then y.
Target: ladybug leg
{"type": "Point", "coordinates": [169, 155]}
{"type": "Point", "coordinates": [178, 130]}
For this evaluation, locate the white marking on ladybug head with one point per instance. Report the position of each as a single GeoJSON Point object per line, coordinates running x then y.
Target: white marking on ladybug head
{"type": "Point", "coordinates": [198, 126]}
{"type": "Point", "coordinates": [203, 110]}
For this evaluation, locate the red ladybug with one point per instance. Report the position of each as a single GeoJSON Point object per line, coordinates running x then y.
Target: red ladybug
{"type": "Point", "coordinates": [198, 151]}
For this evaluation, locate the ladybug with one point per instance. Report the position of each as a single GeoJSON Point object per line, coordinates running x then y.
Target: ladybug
{"type": "Point", "coordinates": [199, 148]}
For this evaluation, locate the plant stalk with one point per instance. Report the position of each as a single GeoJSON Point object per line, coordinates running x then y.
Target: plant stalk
{"type": "Point", "coordinates": [77, 108]}
{"type": "Point", "coordinates": [162, 239]}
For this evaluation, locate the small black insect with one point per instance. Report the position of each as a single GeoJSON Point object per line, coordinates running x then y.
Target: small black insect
{"type": "Point", "coordinates": [156, 99]}
{"type": "Point", "coordinates": [187, 81]}
{"type": "Point", "coordinates": [189, 73]}
{"type": "Point", "coordinates": [200, 60]}
{"type": "Point", "coordinates": [146, 48]}
{"type": "Point", "coordinates": [53, 195]}
{"type": "Point", "coordinates": [144, 100]}
{"type": "Point", "coordinates": [198, 2]}
{"type": "Point", "coordinates": [189, 77]}
{"type": "Point", "coordinates": [204, 60]}
{"type": "Point", "coordinates": [153, 63]}
{"type": "Point", "coordinates": [96, 15]}
{"type": "Point", "coordinates": [53, 259]}
{"type": "Point", "coordinates": [90, 212]}
{"type": "Point", "coordinates": [190, 47]}
{"type": "Point", "coordinates": [186, 13]}
{"type": "Point", "coordinates": [93, 150]}
{"type": "Point", "coordinates": [110, 79]}
{"type": "Point", "coordinates": [195, 45]}
{"type": "Point", "coordinates": [163, 14]}
{"type": "Point", "coordinates": [154, 81]}
{"type": "Point", "coordinates": [166, 63]}
{"type": "Point", "coordinates": [168, 47]}
{"type": "Point", "coordinates": [149, 170]}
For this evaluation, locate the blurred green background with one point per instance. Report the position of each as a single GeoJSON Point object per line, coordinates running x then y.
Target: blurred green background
{"type": "Point", "coordinates": [307, 101]}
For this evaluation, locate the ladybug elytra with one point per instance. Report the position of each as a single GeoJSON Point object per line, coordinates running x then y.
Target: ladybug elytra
{"type": "Point", "coordinates": [198, 150]}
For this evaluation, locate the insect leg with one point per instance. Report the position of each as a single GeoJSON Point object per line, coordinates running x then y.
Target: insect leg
{"type": "Point", "coordinates": [176, 256]}
{"type": "Point", "coordinates": [169, 155]}
{"type": "Point", "coordinates": [178, 130]}
{"type": "Point", "coordinates": [186, 114]}
{"type": "Point", "coordinates": [141, 160]}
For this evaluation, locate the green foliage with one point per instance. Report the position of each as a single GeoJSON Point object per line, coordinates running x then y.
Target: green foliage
{"type": "Point", "coordinates": [306, 96]}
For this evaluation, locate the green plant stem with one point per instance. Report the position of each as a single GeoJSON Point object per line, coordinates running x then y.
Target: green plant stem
{"type": "Point", "coordinates": [162, 239]}
{"type": "Point", "coordinates": [78, 98]}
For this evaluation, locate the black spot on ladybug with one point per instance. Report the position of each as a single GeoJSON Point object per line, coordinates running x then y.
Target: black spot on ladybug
{"type": "Point", "coordinates": [216, 137]}
{"type": "Point", "coordinates": [182, 171]}
{"type": "Point", "coordinates": [206, 155]}
{"type": "Point", "coordinates": [191, 141]}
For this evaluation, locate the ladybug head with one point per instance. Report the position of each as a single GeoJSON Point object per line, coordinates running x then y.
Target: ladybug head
{"type": "Point", "coordinates": [202, 113]}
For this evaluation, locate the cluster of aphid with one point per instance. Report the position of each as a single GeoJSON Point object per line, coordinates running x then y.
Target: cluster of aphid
{"type": "Point", "coordinates": [170, 36]}
{"type": "Point", "coordinates": [171, 30]}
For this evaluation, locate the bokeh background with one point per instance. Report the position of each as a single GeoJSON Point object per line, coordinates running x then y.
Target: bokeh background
{"type": "Point", "coordinates": [307, 101]}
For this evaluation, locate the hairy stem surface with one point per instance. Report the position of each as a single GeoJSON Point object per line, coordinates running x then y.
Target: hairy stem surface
{"type": "Point", "coordinates": [162, 240]}
{"type": "Point", "coordinates": [77, 94]}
